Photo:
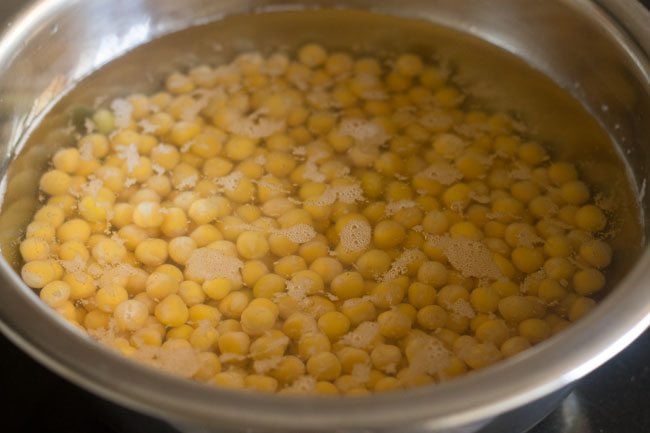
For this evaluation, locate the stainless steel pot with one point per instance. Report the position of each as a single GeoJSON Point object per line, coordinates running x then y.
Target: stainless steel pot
{"type": "Point", "coordinates": [597, 52]}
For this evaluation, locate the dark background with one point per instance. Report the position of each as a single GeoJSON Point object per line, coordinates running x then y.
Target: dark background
{"type": "Point", "coordinates": [613, 399]}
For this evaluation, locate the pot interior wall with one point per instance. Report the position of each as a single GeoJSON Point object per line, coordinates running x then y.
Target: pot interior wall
{"type": "Point", "coordinates": [496, 79]}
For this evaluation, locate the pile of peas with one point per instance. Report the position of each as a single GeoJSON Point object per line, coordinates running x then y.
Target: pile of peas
{"type": "Point", "coordinates": [200, 229]}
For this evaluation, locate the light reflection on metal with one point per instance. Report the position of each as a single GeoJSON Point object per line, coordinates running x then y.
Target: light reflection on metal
{"type": "Point", "coordinates": [573, 416]}
{"type": "Point", "coordinates": [114, 45]}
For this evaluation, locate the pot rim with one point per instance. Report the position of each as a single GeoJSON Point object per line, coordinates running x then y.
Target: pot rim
{"type": "Point", "coordinates": [581, 348]}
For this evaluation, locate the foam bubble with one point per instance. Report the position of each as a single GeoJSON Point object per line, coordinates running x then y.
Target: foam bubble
{"type": "Point", "coordinates": [255, 127]}
{"type": "Point", "coordinates": [436, 121]}
{"type": "Point", "coordinates": [208, 264]}
{"type": "Point", "coordinates": [532, 280]}
{"type": "Point", "coordinates": [86, 151]}
{"type": "Point", "coordinates": [471, 257]}
{"type": "Point", "coordinates": [442, 172]}
{"type": "Point", "coordinates": [348, 194]}
{"type": "Point", "coordinates": [122, 109]}
{"type": "Point", "coordinates": [361, 372]}
{"type": "Point", "coordinates": [298, 289]}
{"type": "Point", "coordinates": [356, 235]}
{"type": "Point", "coordinates": [395, 206]}
{"type": "Point", "coordinates": [312, 173]}
{"type": "Point", "coordinates": [520, 171]}
{"type": "Point", "coordinates": [363, 336]}
{"type": "Point", "coordinates": [263, 366]}
{"type": "Point", "coordinates": [364, 131]}
{"type": "Point", "coordinates": [93, 186]}
{"type": "Point", "coordinates": [430, 357]}
{"type": "Point", "coordinates": [303, 384]}
{"type": "Point", "coordinates": [181, 360]}
{"type": "Point", "coordinates": [130, 154]}
{"type": "Point", "coordinates": [231, 182]}
{"type": "Point", "coordinates": [299, 234]}
{"type": "Point", "coordinates": [147, 127]}
{"type": "Point", "coordinates": [399, 266]}
{"type": "Point", "coordinates": [463, 308]}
